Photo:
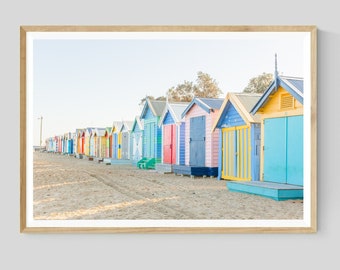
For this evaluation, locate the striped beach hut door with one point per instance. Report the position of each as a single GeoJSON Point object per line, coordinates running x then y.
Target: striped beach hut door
{"type": "Point", "coordinates": [197, 141]}
{"type": "Point", "coordinates": [169, 144]}
{"type": "Point", "coordinates": [236, 153]}
{"type": "Point", "coordinates": [283, 150]}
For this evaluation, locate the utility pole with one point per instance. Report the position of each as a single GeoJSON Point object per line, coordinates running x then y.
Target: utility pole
{"type": "Point", "coordinates": [40, 118]}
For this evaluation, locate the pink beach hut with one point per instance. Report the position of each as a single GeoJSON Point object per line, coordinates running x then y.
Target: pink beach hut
{"type": "Point", "coordinates": [201, 145]}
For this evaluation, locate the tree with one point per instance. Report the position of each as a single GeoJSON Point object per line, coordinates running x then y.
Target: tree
{"type": "Point", "coordinates": [259, 84]}
{"type": "Point", "coordinates": [205, 87]}
{"type": "Point", "coordinates": [182, 92]}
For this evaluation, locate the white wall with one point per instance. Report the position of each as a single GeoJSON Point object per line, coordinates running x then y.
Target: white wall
{"type": "Point", "coordinates": [96, 251]}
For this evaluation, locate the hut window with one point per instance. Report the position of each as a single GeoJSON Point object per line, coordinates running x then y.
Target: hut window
{"type": "Point", "coordinates": [286, 102]}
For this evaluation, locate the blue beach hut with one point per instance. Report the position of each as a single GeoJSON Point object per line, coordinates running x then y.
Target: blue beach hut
{"type": "Point", "coordinates": [239, 138]}
{"type": "Point", "coordinates": [152, 134]}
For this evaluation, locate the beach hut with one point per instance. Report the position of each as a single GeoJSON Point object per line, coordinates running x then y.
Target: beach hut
{"type": "Point", "coordinates": [201, 145]}
{"type": "Point", "coordinates": [281, 167]}
{"type": "Point", "coordinates": [136, 140]}
{"type": "Point", "coordinates": [49, 144]}
{"type": "Point", "coordinates": [55, 144]}
{"type": "Point", "coordinates": [116, 152]}
{"type": "Point", "coordinates": [101, 142]}
{"type": "Point", "coordinates": [281, 112]}
{"type": "Point", "coordinates": [108, 142]}
{"type": "Point", "coordinates": [60, 143]}
{"type": "Point", "coordinates": [152, 133]}
{"type": "Point", "coordinates": [125, 131]}
{"type": "Point", "coordinates": [173, 139]}
{"type": "Point", "coordinates": [88, 133]}
{"type": "Point", "coordinates": [92, 143]}
{"type": "Point", "coordinates": [81, 142]}
{"type": "Point", "coordinates": [73, 143]}
{"type": "Point", "coordinates": [69, 143]}
{"type": "Point", "coordinates": [239, 138]}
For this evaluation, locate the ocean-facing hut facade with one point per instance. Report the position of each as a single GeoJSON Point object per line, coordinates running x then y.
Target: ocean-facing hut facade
{"type": "Point", "coordinates": [87, 141]}
{"type": "Point", "coordinates": [239, 138]}
{"type": "Point", "coordinates": [173, 139]}
{"type": "Point", "coordinates": [281, 111]}
{"type": "Point", "coordinates": [99, 142]}
{"type": "Point", "coordinates": [116, 139]}
{"type": "Point", "coordinates": [108, 142]}
{"type": "Point", "coordinates": [201, 145]}
{"type": "Point", "coordinates": [68, 143]}
{"type": "Point", "coordinates": [49, 144]}
{"type": "Point", "coordinates": [81, 142]}
{"type": "Point", "coordinates": [136, 140]}
{"type": "Point", "coordinates": [92, 143]}
{"type": "Point", "coordinates": [152, 134]}
{"type": "Point", "coordinates": [125, 131]}
{"type": "Point", "coordinates": [60, 143]}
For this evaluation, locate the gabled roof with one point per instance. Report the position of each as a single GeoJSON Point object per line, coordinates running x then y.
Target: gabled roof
{"type": "Point", "coordinates": [292, 85]}
{"type": "Point", "coordinates": [100, 131]}
{"type": "Point", "coordinates": [243, 103]}
{"type": "Point", "coordinates": [156, 107]}
{"type": "Point", "coordinates": [89, 130]}
{"type": "Point", "coordinates": [207, 104]}
{"type": "Point", "coordinates": [137, 122]}
{"type": "Point", "coordinates": [127, 125]}
{"type": "Point", "coordinates": [175, 109]}
{"type": "Point", "coordinates": [108, 130]}
{"type": "Point", "coordinates": [116, 126]}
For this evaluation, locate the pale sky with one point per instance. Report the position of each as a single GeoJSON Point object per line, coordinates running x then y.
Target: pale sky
{"type": "Point", "coordinates": [90, 81]}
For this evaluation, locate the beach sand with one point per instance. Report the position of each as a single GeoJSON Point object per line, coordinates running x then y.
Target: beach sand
{"type": "Point", "coordinates": [67, 188]}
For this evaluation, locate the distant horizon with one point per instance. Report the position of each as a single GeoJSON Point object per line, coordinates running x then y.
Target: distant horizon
{"type": "Point", "coordinates": [82, 80]}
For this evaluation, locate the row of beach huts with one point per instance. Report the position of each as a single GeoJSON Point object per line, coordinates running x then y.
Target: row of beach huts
{"type": "Point", "coordinates": [255, 141]}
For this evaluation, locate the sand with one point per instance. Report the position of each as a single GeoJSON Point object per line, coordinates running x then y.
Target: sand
{"type": "Point", "coordinates": [67, 188]}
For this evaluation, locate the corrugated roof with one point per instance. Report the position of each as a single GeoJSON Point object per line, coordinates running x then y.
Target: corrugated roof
{"type": "Point", "coordinates": [243, 103]}
{"type": "Point", "coordinates": [207, 104]}
{"type": "Point", "coordinates": [128, 125]}
{"type": "Point", "coordinates": [295, 82]}
{"type": "Point", "coordinates": [158, 106]}
{"type": "Point", "coordinates": [248, 101]}
{"type": "Point", "coordinates": [100, 131]}
{"type": "Point", "coordinates": [213, 103]}
{"type": "Point", "coordinates": [176, 109]}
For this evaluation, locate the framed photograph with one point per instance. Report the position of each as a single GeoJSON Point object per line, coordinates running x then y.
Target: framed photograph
{"type": "Point", "coordinates": [168, 129]}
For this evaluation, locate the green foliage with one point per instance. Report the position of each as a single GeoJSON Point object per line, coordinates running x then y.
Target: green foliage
{"type": "Point", "coordinates": [205, 86]}
{"type": "Point", "coordinates": [259, 84]}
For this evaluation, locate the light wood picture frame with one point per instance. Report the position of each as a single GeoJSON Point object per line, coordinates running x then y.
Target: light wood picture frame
{"type": "Point", "coordinates": [308, 224]}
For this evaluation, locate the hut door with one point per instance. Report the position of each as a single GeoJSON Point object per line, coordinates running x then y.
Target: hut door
{"type": "Point", "coordinates": [125, 145]}
{"type": "Point", "coordinates": [169, 144]}
{"type": "Point", "coordinates": [137, 146]}
{"type": "Point", "coordinates": [149, 140]}
{"type": "Point", "coordinates": [295, 150]}
{"type": "Point", "coordinates": [283, 150]}
{"type": "Point", "coordinates": [275, 150]}
{"type": "Point", "coordinates": [197, 141]}
{"type": "Point", "coordinates": [110, 146]}
{"type": "Point", "coordinates": [236, 153]}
